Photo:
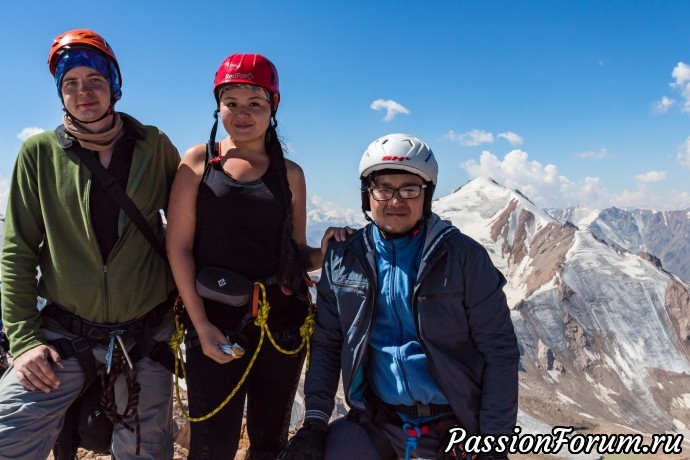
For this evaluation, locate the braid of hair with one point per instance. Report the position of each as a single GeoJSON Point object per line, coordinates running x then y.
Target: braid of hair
{"type": "Point", "coordinates": [291, 267]}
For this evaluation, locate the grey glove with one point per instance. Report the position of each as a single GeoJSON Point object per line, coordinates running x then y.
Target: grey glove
{"type": "Point", "coordinates": [307, 444]}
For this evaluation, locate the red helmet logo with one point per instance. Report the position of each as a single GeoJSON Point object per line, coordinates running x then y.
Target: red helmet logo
{"type": "Point", "coordinates": [394, 158]}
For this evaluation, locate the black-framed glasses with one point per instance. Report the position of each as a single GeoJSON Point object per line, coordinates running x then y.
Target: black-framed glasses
{"type": "Point", "coordinates": [407, 192]}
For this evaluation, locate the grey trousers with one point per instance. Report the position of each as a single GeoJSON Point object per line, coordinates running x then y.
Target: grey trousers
{"type": "Point", "coordinates": [30, 421]}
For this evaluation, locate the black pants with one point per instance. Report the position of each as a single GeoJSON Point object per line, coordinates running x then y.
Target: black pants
{"type": "Point", "coordinates": [269, 390]}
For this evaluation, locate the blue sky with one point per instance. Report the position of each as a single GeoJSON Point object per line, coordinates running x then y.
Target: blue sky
{"type": "Point", "coordinates": [572, 102]}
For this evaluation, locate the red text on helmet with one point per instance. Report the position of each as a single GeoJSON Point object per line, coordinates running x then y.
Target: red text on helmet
{"type": "Point", "coordinates": [395, 158]}
{"type": "Point", "coordinates": [239, 76]}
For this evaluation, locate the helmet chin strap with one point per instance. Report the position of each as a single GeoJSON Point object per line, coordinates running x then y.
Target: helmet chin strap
{"type": "Point", "coordinates": [82, 122]}
{"type": "Point", "coordinates": [211, 150]}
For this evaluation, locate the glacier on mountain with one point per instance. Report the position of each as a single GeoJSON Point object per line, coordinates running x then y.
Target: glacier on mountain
{"type": "Point", "coordinates": [597, 325]}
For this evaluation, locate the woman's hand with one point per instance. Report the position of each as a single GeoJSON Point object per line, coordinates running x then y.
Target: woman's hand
{"type": "Point", "coordinates": [339, 234]}
{"type": "Point", "coordinates": [210, 338]}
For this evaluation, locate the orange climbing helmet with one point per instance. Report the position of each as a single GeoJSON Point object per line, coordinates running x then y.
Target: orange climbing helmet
{"type": "Point", "coordinates": [79, 45]}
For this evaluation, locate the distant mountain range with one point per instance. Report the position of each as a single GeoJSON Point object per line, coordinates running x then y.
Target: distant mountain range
{"type": "Point", "coordinates": [664, 234]}
{"type": "Point", "coordinates": [600, 302]}
{"type": "Point", "coordinates": [604, 333]}
{"type": "Point", "coordinates": [318, 220]}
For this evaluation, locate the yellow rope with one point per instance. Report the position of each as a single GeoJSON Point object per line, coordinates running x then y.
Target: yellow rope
{"type": "Point", "coordinates": [178, 360]}
{"type": "Point", "coordinates": [261, 321]}
{"type": "Point", "coordinates": [305, 331]}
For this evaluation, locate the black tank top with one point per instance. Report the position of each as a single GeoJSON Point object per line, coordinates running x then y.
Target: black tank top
{"type": "Point", "coordinates": [239, 226]}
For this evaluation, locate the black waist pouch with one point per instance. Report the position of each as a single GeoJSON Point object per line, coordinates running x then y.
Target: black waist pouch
{"type": "Point", "coordinates": [224, 286]}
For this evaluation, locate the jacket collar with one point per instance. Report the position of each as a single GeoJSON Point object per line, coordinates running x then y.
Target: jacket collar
{"type": "Point", "coordinates": [436, 231]}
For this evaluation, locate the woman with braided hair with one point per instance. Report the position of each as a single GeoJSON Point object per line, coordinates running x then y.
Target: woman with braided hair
{"type": "Point", "coordinates": [238, 204]}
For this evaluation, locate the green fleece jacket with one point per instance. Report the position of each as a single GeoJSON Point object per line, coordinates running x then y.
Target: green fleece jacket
{"type": "Point", "coordinates": [48, 233]}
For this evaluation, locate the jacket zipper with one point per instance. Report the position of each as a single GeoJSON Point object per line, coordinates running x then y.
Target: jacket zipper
{"type": "Point", "coordinates": [104, 269]}
{"type": "Point", "coordinates": [106, 295]}
{"type": "Point", "coordinates": [398, 314]}
{"type": "Point", "coordinates": [415, 313]}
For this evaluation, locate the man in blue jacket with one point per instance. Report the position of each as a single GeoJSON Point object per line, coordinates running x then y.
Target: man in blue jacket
{"type": "Point", "coordinates": [413, 313]}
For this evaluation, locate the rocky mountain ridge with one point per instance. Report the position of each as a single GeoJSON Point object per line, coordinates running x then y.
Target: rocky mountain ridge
{"type": "Point", "coordinates": [663, 234]}
{"type": "Point", "coordinates": [603, 332]}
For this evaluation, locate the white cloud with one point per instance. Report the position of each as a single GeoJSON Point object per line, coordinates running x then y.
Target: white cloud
{"type": "Point", "coordinates": [664, 105]}
{"type": "Point", "coordinates": [593, 154]}
{"type": "Point", "coordinates": [641, 197]}
{"type": "Point", "coordinates": [513, 138]}
{"type": "Point", "coordinates": [452, 135]}
{"type": "Point", "coordinates": [28, 132]}
{"type": "Point", "coordinates": [651, 176]}
{"type": "Point", "coordinates": [392, 108]}
{"type": "Point", "coordinates": [516, 171]}
{"type": "Point", "coordinates": [681, 74]}
{"type": "Point", "coordinates": [470, 138]}
{"type": "Point", "coordinates": [548, 189]}
{"type": "Point", "coordinates": [683, 156]}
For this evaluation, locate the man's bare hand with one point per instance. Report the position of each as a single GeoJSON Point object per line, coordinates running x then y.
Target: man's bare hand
{"type": "Point", "coordinates": [34, 369]}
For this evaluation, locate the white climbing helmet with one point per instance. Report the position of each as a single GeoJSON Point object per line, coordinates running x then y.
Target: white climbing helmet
{"type": "Point", "coordinates": [399, 151]}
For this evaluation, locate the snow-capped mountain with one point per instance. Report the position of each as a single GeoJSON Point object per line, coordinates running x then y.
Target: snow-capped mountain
{"type": "Point", "coordinates": [580, 216]}
{"type": "Point", "coordinates": [664, 234]}
{"type": "Point", "coordinates": [604, 334]}
{"type": "Point", "coordinates": [318, 220]}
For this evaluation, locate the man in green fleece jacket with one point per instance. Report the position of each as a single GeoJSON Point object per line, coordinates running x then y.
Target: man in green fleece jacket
{"type": "Point", "coordinates": [68, 242]}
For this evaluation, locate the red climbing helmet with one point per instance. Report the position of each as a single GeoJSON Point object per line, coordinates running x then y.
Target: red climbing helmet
{"type": "Point", "coordinates": [253, 69]}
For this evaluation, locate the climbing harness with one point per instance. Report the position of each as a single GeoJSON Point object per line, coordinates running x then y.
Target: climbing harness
{"type": "Point", "coordinates": [259, 310]}
{"type": "Point", "coordinates": [414, 432]}
{"type": "Point", "coordinates": [118, 359]}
